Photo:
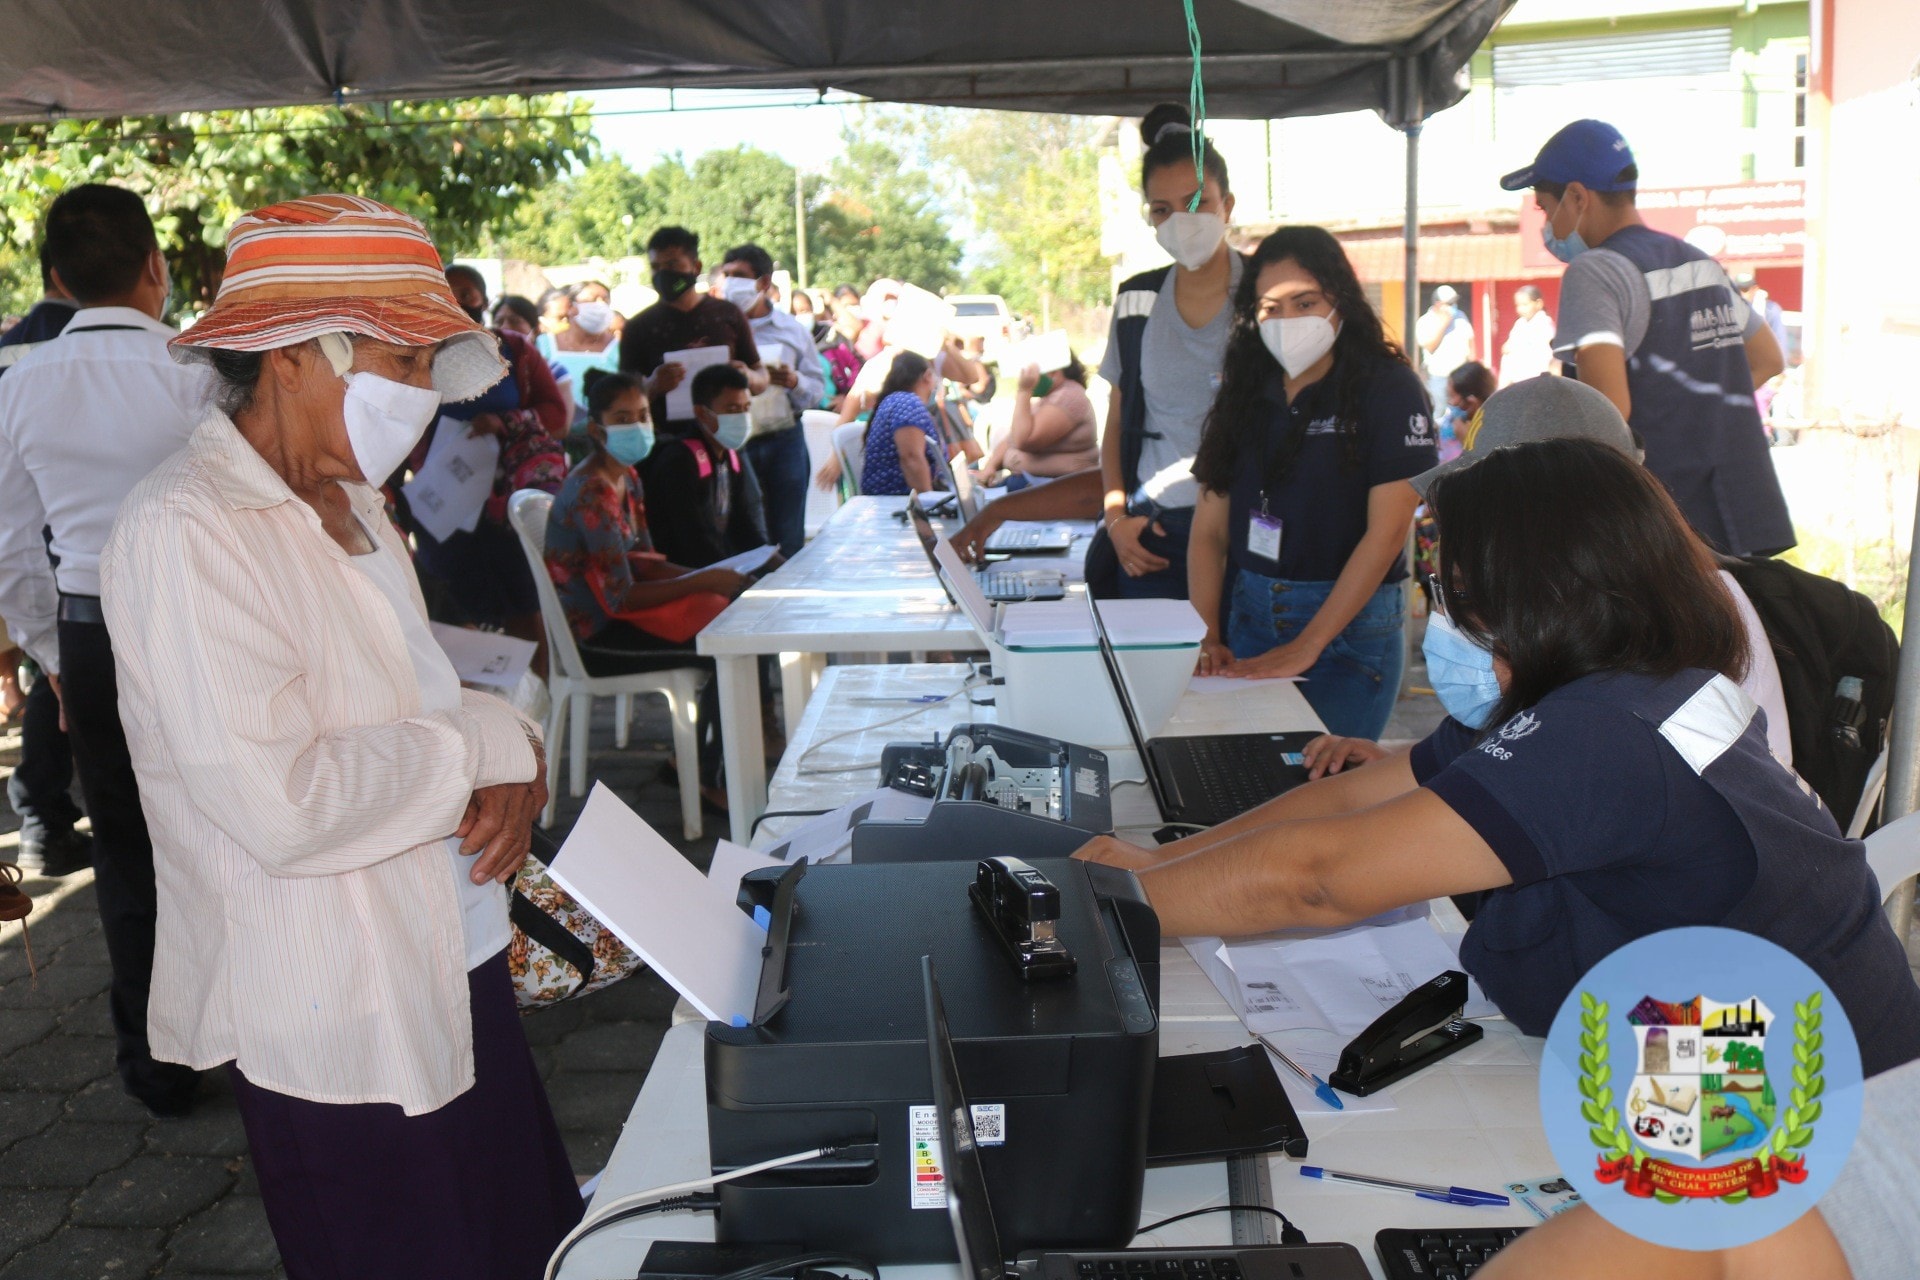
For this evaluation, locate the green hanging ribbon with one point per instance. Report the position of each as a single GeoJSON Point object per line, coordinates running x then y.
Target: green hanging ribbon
{"type": "Point", "coordinates": [1196, 109]}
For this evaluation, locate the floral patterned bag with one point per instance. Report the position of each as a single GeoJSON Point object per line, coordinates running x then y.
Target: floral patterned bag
{"type": "Point", "coordinates": [558, 950]}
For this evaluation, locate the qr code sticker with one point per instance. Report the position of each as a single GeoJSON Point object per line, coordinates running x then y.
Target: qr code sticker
{"type": "Point", "coordinates": [990, 1123]}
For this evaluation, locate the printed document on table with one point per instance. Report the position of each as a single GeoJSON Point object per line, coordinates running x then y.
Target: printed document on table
{"type": "Point", "coordinates": [685, 926]}
{"type": "Point", "coordinates": [746, 561]}
{"type": "Point", "coordinates": [693, 360]}
{"type": "Point", "coordinates": [484, 657]}
{"type": "Point", "coordinates": [451, 486]}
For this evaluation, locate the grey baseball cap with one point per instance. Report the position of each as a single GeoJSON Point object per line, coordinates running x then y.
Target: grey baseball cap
{"type": "Point", "coordinates": [1544, 408]}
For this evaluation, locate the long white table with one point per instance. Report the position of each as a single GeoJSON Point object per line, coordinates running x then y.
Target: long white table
{"type": "Point", "coordinates": [1470, 1120]}
{"type": "Point", "coordinates": [862, 586]}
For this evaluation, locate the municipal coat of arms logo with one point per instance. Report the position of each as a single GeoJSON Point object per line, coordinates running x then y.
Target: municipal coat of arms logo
{"type": "Point", "coordinates": [1701, 1090]}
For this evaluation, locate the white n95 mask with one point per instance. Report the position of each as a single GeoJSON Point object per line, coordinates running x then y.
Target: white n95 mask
{"type": "Point", "coordinates": [385, 419]}
{"type": "Point", "coordinates": [1191, 238]}
{"type": "Point", "coordinates": [1297, 342]}
{"type": "Point", "coordinates": [593, 317]}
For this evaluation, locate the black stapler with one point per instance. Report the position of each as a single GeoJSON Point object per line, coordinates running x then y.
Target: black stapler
{"type": "Point", "coordinates": [1419, 1031]}
{"type": "Point", "coordinates": [1020, 906]}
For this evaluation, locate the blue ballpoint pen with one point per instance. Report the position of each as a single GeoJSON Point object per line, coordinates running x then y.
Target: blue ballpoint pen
{"type": "Point", "coordinates": [1321, 1089]}
{"type": "Point", "coordinates": [1445, 1195]}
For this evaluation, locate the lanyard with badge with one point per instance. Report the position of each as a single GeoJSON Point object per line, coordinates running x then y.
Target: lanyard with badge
{"type": "Point", "coordinates": [1263, 527]}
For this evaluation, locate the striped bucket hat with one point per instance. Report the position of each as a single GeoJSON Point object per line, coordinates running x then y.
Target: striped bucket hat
{"type": "Point", "coordinates": [334, 263]}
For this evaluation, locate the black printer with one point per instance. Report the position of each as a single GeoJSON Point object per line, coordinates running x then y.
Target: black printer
{"type": "Point", "coordinates": [995, 791]}
{"type": "Point", "coordinates": [1059, 1068]}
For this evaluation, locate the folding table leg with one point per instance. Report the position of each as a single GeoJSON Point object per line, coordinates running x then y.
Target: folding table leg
{"type": "Point", "coordinates": [799, 673]}
{"type": "Point", "coordinates": [745, 747]}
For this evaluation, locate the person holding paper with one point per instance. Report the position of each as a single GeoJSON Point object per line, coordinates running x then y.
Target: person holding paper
{"type": "Point", "coordinates": [1169, 333]}
{"type": "Point", "coordinates": [626, 602]}
{"type": "Point", "coordinates": [777, 447]}
{"type": "Point", "coordinates": [1052, 433]}
{"type": "Point", "coordinates": [683, 318]}
{"type": "Point", "coordinates": [1602, 776]}
{"type": "Point", "coordinates": [334, 818]}
{"type": "Point", "coordinates": [705, 496]}
{"type": "Point", "coordinates": [1302, 469]}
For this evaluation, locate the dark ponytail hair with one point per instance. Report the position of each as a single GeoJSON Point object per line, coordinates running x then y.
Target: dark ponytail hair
{"type": "Point", "coordinates": [1174, 145]}
{"type": "Point", "coordinates": [1566, 559]}
{"type": "Point", "coordinates": [1236, 425]}
{"type": "Point", "coordinates": [907, 370]}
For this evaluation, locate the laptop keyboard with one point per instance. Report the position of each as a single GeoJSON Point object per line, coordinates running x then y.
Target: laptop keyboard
{"type": "Point", "coordinates": [1011, 585]}
{"type": "Point", "coordinates": [1231, 782]}
{"type": "Point", "coordinates": [1161, 1267]}
{"type": "Point", "coordinates": [1440, 1255]}
{"type": "Point", "coordinates": [1018, 539]}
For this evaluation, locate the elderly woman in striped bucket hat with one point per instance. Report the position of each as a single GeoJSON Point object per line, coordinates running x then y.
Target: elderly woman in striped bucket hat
{"type": "Point", "coordinates": [334, 818]}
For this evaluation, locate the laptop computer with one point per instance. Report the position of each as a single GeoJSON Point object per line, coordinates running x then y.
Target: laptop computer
{"type": "Point", "coordinates": [1204, 780]}
{"type": "Point", "coordinates": [997, 584]}
{"type": "Point", "coordinates": [977, 1239]}
{"type": "Point", "coordinates": [1014, 539]}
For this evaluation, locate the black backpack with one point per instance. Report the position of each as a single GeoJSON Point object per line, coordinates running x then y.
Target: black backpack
{"type": "Point", "coordinates": [1822, 632]}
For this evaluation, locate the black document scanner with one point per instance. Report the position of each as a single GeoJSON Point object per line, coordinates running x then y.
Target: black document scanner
{"type": "Point", "coordinates": [1059, 1071]}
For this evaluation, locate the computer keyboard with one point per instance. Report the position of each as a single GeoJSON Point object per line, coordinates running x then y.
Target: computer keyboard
{"type": "Point", "coordinates": [1231, 782]}
{"type": "Point", "coordinates": [1440, 1255]}
{"type": "Point", "coordinates": [1010, 585]}
{"type": "Point", "coordinates": [1120, 1267]}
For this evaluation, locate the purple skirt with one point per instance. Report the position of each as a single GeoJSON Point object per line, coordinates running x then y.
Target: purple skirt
{"type": "Point", "coordinates": [480, 1189]}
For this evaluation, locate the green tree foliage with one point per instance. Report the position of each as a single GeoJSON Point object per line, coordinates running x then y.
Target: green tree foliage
{"type": "Point", "coordinates": [1030, 185]}
{"type": "Point", "coordinates": [461, 167]}
{"type": "Point", "coordinates": [866, 219]}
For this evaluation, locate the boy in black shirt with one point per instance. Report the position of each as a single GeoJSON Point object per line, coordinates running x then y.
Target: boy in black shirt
{"type": "Point", "coordinates": [682, 319]}
{"type": "Point", "coordinates": [703, 501]}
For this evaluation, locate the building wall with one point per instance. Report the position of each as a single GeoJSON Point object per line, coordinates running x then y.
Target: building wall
{"type": "Point", "coordinates": [1863, 270]}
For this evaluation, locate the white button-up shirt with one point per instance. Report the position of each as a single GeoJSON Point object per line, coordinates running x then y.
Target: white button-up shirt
{"type": "Point", "coordinates": [296, 791]}
{"type": "Point", "coordinates": [83, 419]}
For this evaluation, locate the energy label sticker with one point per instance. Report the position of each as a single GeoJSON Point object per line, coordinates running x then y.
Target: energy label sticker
{"type": "Point", "coordinates": [929, 1189]}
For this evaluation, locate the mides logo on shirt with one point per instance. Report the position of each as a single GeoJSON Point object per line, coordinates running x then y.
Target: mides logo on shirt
{"type": "Point", "coordinates": [1419, 431]}
{"type": "Point", "coordinates": [1512, 731]}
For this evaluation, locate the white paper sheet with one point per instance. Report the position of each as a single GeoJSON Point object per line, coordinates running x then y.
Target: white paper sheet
{"type": "Point", "coordinates": [693, 360]}
{"type": "Point", "coordinates": [484, 657]}
{"type": "Point", "coordinates": [452, 485]}
{"type": "Point", "coordinates": [920, 321]}
{"type": "Point", "coordinates": [1054, 624]}
{"type": "Point", "coordinates": [829, 837]}
{"type": "Point", "coordinates": [732, 861]}
{"type": "Point", "coordinates": [1047, 351]}
{"type": "Point", "coordinates": [1341, 981]}
{"type": "Point", "coordinates": [746, 561]}
{"type": "Point", "coordinates": [772, 353]}
{"type": "Point", "coordinates": [682, 924]}
{"type": "Point", "coordinates": [973, 601]}
{"type": "Point", "coordinates": [1236, 684]}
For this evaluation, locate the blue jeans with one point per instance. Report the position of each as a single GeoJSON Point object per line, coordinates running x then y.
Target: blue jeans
{"type": "Point", "coordinates": [1356, 679]}
{"type": "Point", "coordinates": [780, 463]}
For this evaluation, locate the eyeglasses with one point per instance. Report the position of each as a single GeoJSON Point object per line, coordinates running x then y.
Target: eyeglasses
{"type": "Point", "coordinates": [1438, 594]}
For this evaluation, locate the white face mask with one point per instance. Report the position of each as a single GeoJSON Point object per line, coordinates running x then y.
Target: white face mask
{"type": "Point", "coordinates": [385, 419]}
{"type": "Point", "coordinates": [1192, 238]}
{"type": "Point", "coordinates": [1297, 342]}
{"type": "Point", "coordinates": [593, 317]}
{"type": "Point", "coordinates": [744, 294]}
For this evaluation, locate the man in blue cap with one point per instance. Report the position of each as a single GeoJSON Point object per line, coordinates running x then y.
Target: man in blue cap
{"type": "Point", "coordinates": [1656, 325]}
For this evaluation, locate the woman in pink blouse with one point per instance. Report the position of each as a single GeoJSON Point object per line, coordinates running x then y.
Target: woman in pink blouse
{"type": "Point", "coordinates": [334, 819]}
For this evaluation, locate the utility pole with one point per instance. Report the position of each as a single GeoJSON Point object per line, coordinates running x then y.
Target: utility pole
{"type": "Point", "coordinates": [800, 223]}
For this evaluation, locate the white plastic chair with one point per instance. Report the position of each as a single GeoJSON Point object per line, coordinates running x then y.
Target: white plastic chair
{"type": "Point", "coordinates": [573, 690]}
{"type": "Point", "coordinates": [1894, 854]}
{"type": "Point", "coordinates": [816, 426]}
{"type": "Point", "coordinates": [849, 442]}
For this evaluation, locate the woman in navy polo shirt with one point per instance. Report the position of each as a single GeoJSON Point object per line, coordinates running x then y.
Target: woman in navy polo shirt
{"type": "Point", "coordinates": [1603, 776]}
{"type": "Point", "coordinates": [1301, 468]}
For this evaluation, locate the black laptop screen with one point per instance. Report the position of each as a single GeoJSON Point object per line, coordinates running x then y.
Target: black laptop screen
{"type": "Point", "coordinates": [974, 1233]}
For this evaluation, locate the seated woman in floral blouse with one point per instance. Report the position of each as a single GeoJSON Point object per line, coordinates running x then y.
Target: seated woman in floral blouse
{"type": "Point", "coordinates": [625, 602]}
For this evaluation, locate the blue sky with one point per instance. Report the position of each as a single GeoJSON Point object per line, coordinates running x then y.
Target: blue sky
{"type": "Point", "coordinates": [790, 125]}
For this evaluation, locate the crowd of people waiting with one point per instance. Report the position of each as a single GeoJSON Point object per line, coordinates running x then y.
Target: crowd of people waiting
{"type": "Point", "coordinates": [302, 823]}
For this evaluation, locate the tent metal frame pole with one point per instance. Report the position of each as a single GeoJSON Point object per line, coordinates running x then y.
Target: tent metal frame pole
{"type": "Point", "coordinates": [1410, 234]}
{"type": "Point", "coordinates": [1903, 737]}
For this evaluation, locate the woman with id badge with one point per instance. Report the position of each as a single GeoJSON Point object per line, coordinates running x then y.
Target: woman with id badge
{"type": "Point", "coordinates": [1301, 468]}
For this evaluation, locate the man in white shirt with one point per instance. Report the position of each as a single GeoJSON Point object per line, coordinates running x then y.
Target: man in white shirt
{"type": "Point", "coordinates": [1528, 350]}
{"type": "Point", "coordinates": [1445, 336]}
{"type": "Point", "coordinates": [83, 419]}
{"type": "Point", "coordinates": [777, 449]}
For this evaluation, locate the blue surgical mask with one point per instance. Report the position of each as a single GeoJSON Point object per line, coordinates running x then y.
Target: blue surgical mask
{"type": "Point", "coordinates": [630, 442]}
{"type": "Point", "coordinates": [1567, 247]}
{"type": "Point", "coordinates": [1461, 673]}
{"type": "Point", "coordinates": [732, 429]}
